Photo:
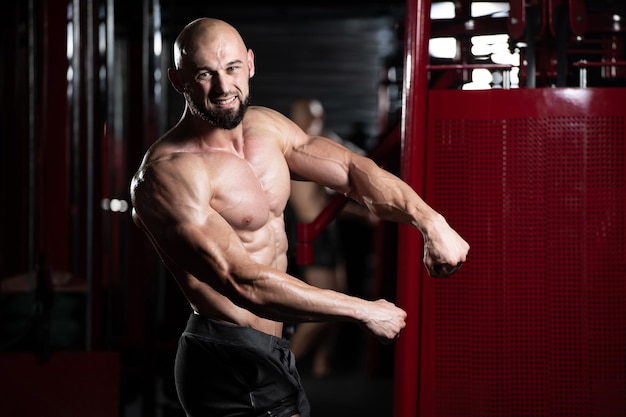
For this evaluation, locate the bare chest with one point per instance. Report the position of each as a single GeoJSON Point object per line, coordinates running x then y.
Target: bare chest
{"type": "Point", "coordinates": [251, 193]}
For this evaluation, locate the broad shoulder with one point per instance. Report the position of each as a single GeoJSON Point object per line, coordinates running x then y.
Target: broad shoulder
{"type": "Point", "coordinates": [269, 124]}
{"type": "Point", "coordinates": [186, 171]}
{"type": "Point", "coordinates": [160, 181]}
{"type": "Point", "coordinates": [256, 114]}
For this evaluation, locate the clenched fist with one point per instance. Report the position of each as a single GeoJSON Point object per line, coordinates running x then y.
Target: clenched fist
{"type": "Point", "coordinates": [444, 250]}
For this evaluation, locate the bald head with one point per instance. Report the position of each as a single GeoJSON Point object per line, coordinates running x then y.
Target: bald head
{"type": "Point", "coordinates": [202, 32]}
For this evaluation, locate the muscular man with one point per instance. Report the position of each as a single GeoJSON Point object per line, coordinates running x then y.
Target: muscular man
{"type": "Point", "coordinates": [210, 195]}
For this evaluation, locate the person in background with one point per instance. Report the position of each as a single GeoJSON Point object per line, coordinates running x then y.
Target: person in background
{"type": "Point", "coordinates": [210, 195]}
{"type": "Point", "coordinates": [327, 270]}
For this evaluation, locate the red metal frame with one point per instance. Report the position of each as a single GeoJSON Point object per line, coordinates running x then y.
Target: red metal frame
{"type": "Point", "coordinates": [577, 15]}
{"type": "Point", "coordinates": [517, 18]}
{"type": "Point", "coordinates": [410, 271]}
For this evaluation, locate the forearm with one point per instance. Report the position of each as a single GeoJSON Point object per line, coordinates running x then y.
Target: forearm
{"type": "Point", "coordinates": [388, 197]}
{"type": "Point", "coordinates": [281, 297]}
{"type": "Point", "coordinates": [275, 295]}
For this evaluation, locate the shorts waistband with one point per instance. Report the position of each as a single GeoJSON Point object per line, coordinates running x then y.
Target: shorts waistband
{"type": "Point", "coordinates": [232, 334]}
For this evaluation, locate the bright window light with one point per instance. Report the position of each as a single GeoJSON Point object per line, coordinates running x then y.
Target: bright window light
{"type": "Point", "coordinates": [482, 76]}
{"type": "Point", "coordinates": [490, 39]}
{"type": "Point", "coordinates": [490, 44]}
{"type": "Point", "coordinates": [442, 48]}
{"type": "Point", "coordinates": [506, 58]}
{"type": "Point", "coordinates": [442, 10]}
{"type": "Point", "coordinates": [489, 8]}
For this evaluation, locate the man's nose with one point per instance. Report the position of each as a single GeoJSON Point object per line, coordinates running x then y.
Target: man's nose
{"type": "Point", "coordinates": [220, 84]}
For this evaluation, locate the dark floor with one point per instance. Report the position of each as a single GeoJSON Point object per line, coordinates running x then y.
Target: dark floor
{"type": "Point", "coordinates": [361, 383]}
{"type": "Point", "coordinates": [350, 394]}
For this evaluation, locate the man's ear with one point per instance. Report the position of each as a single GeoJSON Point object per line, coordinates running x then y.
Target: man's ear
{"type": "Point", "coordinates": [174, 77]}
{"type": "Point", "coordinates": [251, 63]}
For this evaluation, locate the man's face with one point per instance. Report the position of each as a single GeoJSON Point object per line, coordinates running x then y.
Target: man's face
{"type": "Point", "coordinates": [217, 87]}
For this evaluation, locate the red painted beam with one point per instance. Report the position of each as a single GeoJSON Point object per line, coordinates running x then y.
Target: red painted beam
{"type": "Point", "coordinates": [517, 18]}
{"type": "Point", "coordinates": [410, 270]}
{"type": "Point", "coordinates": [578, 17]}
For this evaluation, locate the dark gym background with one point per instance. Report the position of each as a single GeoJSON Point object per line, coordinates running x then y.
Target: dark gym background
{"type": "Point", "coordinates": [534, 174]}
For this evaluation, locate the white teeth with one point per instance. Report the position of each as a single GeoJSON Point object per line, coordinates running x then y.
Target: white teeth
{"type": "Point", "coordinates": [225, 101]}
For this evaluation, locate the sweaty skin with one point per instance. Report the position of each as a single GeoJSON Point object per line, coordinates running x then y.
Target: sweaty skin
{"type": "Point", "coordinates": [211, 198]}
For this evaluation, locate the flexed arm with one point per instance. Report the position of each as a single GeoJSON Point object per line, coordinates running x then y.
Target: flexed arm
{"type": "Point", "coordinates": [392, 199]}
{"type": "Point", "coordinates": [385, 195]}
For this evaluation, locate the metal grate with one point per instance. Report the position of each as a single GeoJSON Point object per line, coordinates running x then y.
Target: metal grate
{"type": "Point", "coordinates": [535, 324]}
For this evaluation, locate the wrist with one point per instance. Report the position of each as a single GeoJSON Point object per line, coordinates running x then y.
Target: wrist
{"type": "Point", "coordinates": [430, 222]}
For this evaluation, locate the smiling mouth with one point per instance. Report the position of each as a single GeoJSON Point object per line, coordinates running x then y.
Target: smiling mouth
{"type": "Point", "coordinates": [224, 102]}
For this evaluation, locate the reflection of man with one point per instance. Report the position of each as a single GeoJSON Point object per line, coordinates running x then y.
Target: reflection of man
{"type": "Point", "coordinates": [210, 195]}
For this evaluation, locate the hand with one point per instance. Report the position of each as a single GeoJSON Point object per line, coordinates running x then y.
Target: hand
{"type": "Point", "coordinates": [384, 320]}
{"type": "Point", "coordinates": [444, 250]}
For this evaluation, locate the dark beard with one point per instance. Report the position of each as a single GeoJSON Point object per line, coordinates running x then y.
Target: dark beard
{"type": "Point", "coordinates": [224, 119]}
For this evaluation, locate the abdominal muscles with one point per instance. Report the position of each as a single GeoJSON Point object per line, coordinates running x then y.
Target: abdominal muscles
{"type": "Point", "coordinates": [267, 245]}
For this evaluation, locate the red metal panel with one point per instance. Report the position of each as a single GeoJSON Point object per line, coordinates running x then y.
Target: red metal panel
{"type": "Point", "coordinates": [534, 323]}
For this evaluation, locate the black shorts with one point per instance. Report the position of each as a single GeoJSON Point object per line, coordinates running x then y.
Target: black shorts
{"type": "Point", "coordinates": [224, 370]}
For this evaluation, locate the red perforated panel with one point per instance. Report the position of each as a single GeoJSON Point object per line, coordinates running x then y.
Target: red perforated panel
{"type": "Point", "coordinates": [534, 324]}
